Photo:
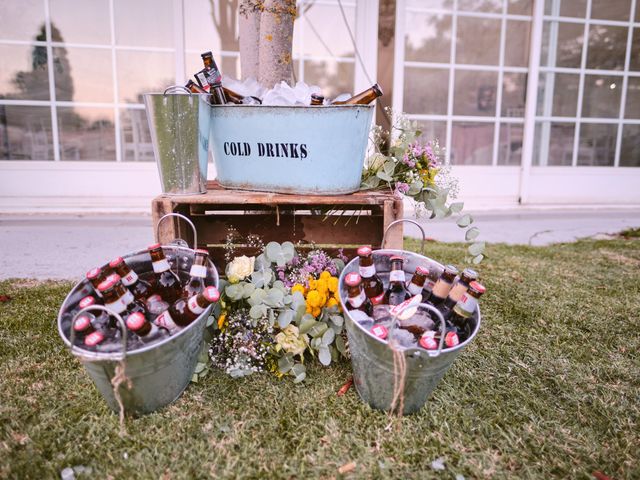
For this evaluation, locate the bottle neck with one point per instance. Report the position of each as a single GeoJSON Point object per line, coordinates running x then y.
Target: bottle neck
{"type": "Point", "coordinates": [367, 269]}
{"type": "Point", "coordinates": [466, 305]}
{"type": "Point", "coordinates": [356, 296]}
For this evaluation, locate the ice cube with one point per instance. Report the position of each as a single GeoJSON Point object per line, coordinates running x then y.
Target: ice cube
{"type": "Point", "coordinates": [362, 318]}
{"type": "Point", "coordinates": [342, 97]}
{"type": "Point", "coordinates": [418, 323]}
{"type": "Point", "coordinates": [403, 338]}
{"type": "Point", "coordinates": [381, 313]}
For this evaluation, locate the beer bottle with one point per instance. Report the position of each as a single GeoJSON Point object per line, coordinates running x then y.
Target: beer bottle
{"type": "Point", "coordinates": [167, 283]}
{"type": "Point", "coordinates": [147, 331]}
{"type": "Point", "coordinates": [459, 288]}
{"type": "Point", "coordinates": [464, 309]}
{"type": "Point", "coordinates": [99, 320]}
{"type": "Point", "coordinates": [417, 281]}
{"type": "Point", "coordinates": [232, 96]}
{"type": "Point", "coordinates": [208, 61]}
{"type": "Point", "coordinates": [214, 79]}
{"type": "Point", "coordinates": [443, 286]}
{"type": "Point", "coordinates": [357, 298]}
{"type": "Point", "coordinates": [373, 287]}
{"type": "Point", "coordinates": [94, 339]}
{"type": "Point", "coordinates": [140, 289]}
{"type": "Point", "coordinates": [201, 78]}
{"type": "Point", "coordinates": [397, 291]}
{"type": "Point", "coordinates": [96, 276]}
{"type": "Point", "coordinates": [197, 274]}
{"type": "Point", "coordinates": [116, 299]}
{"type": "Point", "coordinates": [83, 326]}
{"type": "Point", "coordinates": [184, 311]}
{"type": "Point", "coordinates": [363, 98]}
{"type": "Point", "coordinates": [317, 99]}
{"type": "Point", "coordinates": [194, 87]}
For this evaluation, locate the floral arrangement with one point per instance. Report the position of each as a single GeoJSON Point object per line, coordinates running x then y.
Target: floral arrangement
{"type": "Point", "coordinates": [278, 310]}
{"type": "Point", "coordinates": [413, 169]}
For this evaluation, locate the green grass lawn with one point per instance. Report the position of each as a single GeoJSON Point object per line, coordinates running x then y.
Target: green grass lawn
{"type": "Point", "coordinates": [549, 389]}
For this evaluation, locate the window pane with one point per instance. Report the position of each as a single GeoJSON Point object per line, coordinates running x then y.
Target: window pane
{"type": "Point", "coordinates": [510, 147]}
{"type": "Point", "coordinates": [514, 91]}
{"type": "Point", "coordinates": [607, 46]}
{"type": "Point", "coordinates": [332, 77]}
{"type": "Point", "coordinates": [475, 93]}
{"type": "Point", "coordinates": [80, 21]}
{"type": "Point", "coordinates": [566, 8]}
{"type": "Point", "coordinates": [84, 74]}
{"type": "Point", "coordinates": [201, 34]}
{"type": "Point", "coordinates": [632, 109]}
{"type": "Point", "coordinates": [635, 47]}
{"type": "Point", "coordinates": [472, 143]}
{"type": "Point", "coordinates": [480, 5]}
{"type": "Point", "coordinates": [553, 144]}
{"type": "Point", "coordinates": [143, 72]}
{"type": "Point", "coordinates": [135, 136]}
{"type": "Point", "coordinates": [516, 53]}
{"type": "Point", "coordinates": [23, 20]}
{"type": "Point", "coordinates": [86, 134]}
{"type": "Point", "coordinates": [520, 7]}
{"type": "Point", "coordinates": [144, 23]}
{"type": "Point", "coordinates": [478, 41]}
{"type": "Point", "coordinates": [601, 96]}
{"type": "Point", "coordinates": [630, 149]}
{"type": "Point", "coordinates": [428, 38]}
{"type": "Point", "coordinates": [611, 9]}
{"type": "Point", "coordinates": [568, 50]}
{"type": "Point", "coordinates": [322, 41]}
{"type": "Point", "coordinates": [432, 130]}
{"type": "Point", "coordinates": [429, 100]}
{"type": "Point", "coordinates": [24, 74]}
{"type": "Point", "coordinates": [597, 144]}
{"type": "Point", "coordinates": [25, 133]}
{"type": "Point", "coordinates": [558, 94]}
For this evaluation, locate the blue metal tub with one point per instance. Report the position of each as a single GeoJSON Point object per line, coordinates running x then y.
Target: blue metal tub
{"type": "Point", "coordinates": [308, 150]}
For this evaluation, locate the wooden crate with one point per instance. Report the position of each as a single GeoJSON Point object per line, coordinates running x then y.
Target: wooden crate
{"type": "Point", "coordinates": [328, 222]}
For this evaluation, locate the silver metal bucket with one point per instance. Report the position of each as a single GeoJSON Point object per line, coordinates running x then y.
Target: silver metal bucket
{"type": "Point", "coordinates": [160, 372]}
{"type": "Point", "coordinates": [372, 358]}
{"type": "Point", "coordinates": [179, 125]}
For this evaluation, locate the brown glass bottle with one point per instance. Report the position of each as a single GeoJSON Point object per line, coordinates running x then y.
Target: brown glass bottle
{"type": "Point", "coordinates": [317, 99]}
{"type": "Point", "coordinates": [140, 289]}
{"type": "Point", "coordinates": [231, 96]}
{"type": "Point", "coordinates": [167, 283]}
{"type": "Point", "coordinates": [214, 79]}
{"type": "Point", "coordinates": [464, 310]}
{"type": "Point", "coordinates": [201, 78]}
{"type": "Point", "coordinates": [373, 287]}
{"type": "Point", "coordinates": [83, 326]}
{"type": "Point", "coordinates": [443, 285]}
{"type": "Point", "coordinates": [396, 291]}
{"type": "Point", "coordinates": [96, 276]}
{"type": "Point", "coordinates": [417, 281]}
{"type": "Point", "coordinates": [197, 274]}
{"type": "Point", "coordinates": [184, 311]}
{"type": "Point", "coordinates": [459, 288]}
{"type": "Point", "coordinates": [147, 331]}
{"type": "Point", "coordinates": [357, 298]}
{"type": "Point", "coordinates": [193, 87]}
{"type": "Point", "coordinates": [118, 299]}
{"type": "Point", "coordinates": [363, 98]}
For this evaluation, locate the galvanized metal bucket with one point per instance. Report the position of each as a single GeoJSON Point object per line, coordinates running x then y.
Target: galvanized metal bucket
{"type": "Point", "coordinates": [179, 125]}
{"type": "Point", "coordinates": [372, 358]}
{"type": "Point", "coordinates": [306, 150]}
{"type": "Point", "coordinates": [159, 372]}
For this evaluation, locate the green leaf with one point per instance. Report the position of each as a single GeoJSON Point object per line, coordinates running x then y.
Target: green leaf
{"type": "Point", "coordinates": [415, 188]}
{"type": "Point", "coordinates": [342, 348]}
{"type": "Point", "coordinates": [337, 319]}
{"type": "Point", "coordinates": [472, 233]}
{"type": "Point", "coordinates": [234, 291]}
{"type": "Point", "coordinates": [248, 289]}
{"type": "Point", "coordinates": [274, 297]}
{"type": "Point", "coordinates": [389, 167]}
{"type": "Point", "coordinates": [258, 311]}
{"type": "Point", "coordinates": [318, 329]}
{"type": "Point", "coordinates": [477, 259]}
{"type": "Point", "coordinates": [383, 176]}
{"type": "Point", "coordinates": [477, 248]}
{"type": "Point", "coordinates": [456, 207]}
{"type": "Point", "coordinates": [272, 250]}
{"type": "Point", "coordinates": [285, 318]}
{"type": "Point", "coordinates": [324, 355]}
{"type": "Point", "coordinates": [465, 221]}
{"type": "Point", "coordinates": [306, 323]}
{"type": "Point", "coordinates": [328, 337]}
{"type": "Point", "coordinates": [285, 363]}
{"type": "Point", "coordinates": [257, 297]}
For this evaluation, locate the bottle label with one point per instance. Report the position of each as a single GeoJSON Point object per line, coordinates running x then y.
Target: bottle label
{"type": "Point", "coordinates": [396, 276]}
{"type": "Point", "coordinates": [441, 289]}
{"type": "Point", "coordinates": [165, 320]}
{"type": "Point", "coordinates": [193, 305]}
{"type": "Point", "coordinates": [377, 300]}
{"type": "Point", "coordinates": [199, 271]}
{"type": "Point", "coordinates": [466, 305]}
{"type": "Point", "coordinates": [366, 272]}
{"type": "Point", "coordinates": [130, 278]}
{"type": "Point", "coordinates": [414, 289]}
{"type": "Point", "coordinates": [457, 291]}
{"type": "Point", "coordinates": [161, 266]}
{"type": "Point", "coordinates": [118, 306]}
{"type": "Point", "coordinates": [357, 301]}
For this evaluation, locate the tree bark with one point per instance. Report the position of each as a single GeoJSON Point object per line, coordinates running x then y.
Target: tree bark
{"type": "Point", "coordinates": [249, 26]}
{"type": "Point", "coordinates": [276, 42]}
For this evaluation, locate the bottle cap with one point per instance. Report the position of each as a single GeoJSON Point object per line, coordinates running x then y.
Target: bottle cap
{"type": "Point", "coordinates": [135, 321]}
{"type": "Point", "coordinates": [451, 339]}
{"type": "Point", "coordinates": [202, 251]}
{"type": "Point", "coordinates": [317, 96]}
{"type": "Point", "coordinates": [206, 54]}
{"type": "Point", "coordinates": [376, 88]}
{"type": "Point", "coordinates": [110, 281]}
{"type": "Point", "coordinates": [396, 257]}
{"type": "Point", "coordinates": [87, 302]}
{"type": "Point", "coordinates": [451, 269]}
{"type": "Point", "coordinates": [155, 246]}
{"type": "Point", "coordinates": [93, 273]}
{"type": "Point", "coordinates": [428, 341]}
{"type": "Point", "coordinates": [352, 279]}
{"type": "Point", "coordinates": [94, 338]}
{"type": "Point", "coordinates": [365, 251]}
{"type": "Point", "coordinates": [478, 287]}
{"type": "Point", "coordinates": [82, 323]}
{"type": "Point", "coordinates": [380, 331]}
{"type": "Point", "coordinates": [115, 262]}
{"type": "Point", "coordinates": [470, 274]}
{"type": "Point", "coordinates": [422, 270]}
{"type": "Point", "coordinates": [211, 294]}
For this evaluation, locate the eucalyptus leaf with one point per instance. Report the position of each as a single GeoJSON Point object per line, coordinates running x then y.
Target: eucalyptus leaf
{"type": "Point", "coordinates": [257, 297]}
{"type": "Point", "coordinates": [477, 248]}
{"type": "Point", "coordinates": [300, 378]}
{"type": "Point", "coordinates": [285, 318]}
{"type": "Point", "coordinates": [383, 176]}
{"type": "Point", "coordinates": [328, 337]}
{"type": "Point", "coordinates": [472, 233]}
{"type": "Point", "coordinates": [285, 363]}
{"type": "Point", "coordinates": [297, 299]}
{"type": "Point", "coordinates": [477, 259]}
{"type": "Point", "coordinates": [281, 259]}
{"type": "Point", "coordinates": [289, 250]}
{"type": "Point", "coordinates": [339, 264]}
{"type": "Point", "coordinates": [465, 220]}
{"type": "Point", "coordinates": [316, 343]}
{"type": "Point", "coordinates": [272, 250]}
{"type": "Point", "coordinates": [415, 188]}
{"type": "Point", "coordinates": [324, 355]}
{"type": "Point", "coordinates": [279, 284]}
{"type": "Point", "coordinates": [456, 207]}
{"type": "Point", "coordinates": [318, 329]}
{"type": "Point", "coordinates": [337, 319]}
{"type": "Point", "coordinates": [261, 262]}
{"type": "Point", "coordinates": [274, 297]}
{"type": "Point", "coordinates": [258, 311]}
{"type": "Point", "coordinates": [342, 348]}
{"type": "Point", "coordinates": [389, 167]}
{"type": "Point", "coordinates": [298, 369]}
{"type": "Point", "coordinates": [200, 366]}
{"type": "Point", "coordinates": [307, 322]}
{"type": "Point", "coordinates": [248, 289]}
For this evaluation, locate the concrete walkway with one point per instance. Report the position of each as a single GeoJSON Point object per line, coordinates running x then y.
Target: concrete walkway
{"type": "Point", "coordinates": [66, 246]}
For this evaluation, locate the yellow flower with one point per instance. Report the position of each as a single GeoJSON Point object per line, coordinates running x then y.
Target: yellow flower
{"type": "Point", "coordinates": [298, 288]}
{"type": "Point", "coordinates": [333, 284]}
{"type": "Point", "coordinates": [314, 298]}
{"type": "Point", "coordinates": [316, 312]}
{"type": "Point", "coordinates": [312, 283]}
{"type": "Point", "coordinates": [429, 176]}
{"type": "Point", "coordinates": [221, 320]}
{"type": "Point", "coordinates": [332, 302]}
{"type": "Point", "coordinates": [325, 275]}
{"type": "Point", "coordinates": [322, 286]}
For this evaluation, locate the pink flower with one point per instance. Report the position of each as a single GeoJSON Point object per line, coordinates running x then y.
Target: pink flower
{"type": "Point", "coordinates": [401, 188]}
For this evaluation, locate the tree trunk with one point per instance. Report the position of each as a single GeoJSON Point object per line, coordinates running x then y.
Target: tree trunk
{"type": "Point", "coordinates": [249, 26]}
{"type": "Point", "coordinates": [276, 41]}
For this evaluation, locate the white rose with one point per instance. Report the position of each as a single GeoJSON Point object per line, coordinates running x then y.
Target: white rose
{"type": "Point", "coordinates": [240, 268]}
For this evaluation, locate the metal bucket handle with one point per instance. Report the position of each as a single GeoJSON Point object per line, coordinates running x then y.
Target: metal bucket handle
{"type": "Point", "coordinates": [407, 220]}
{"type": "Point", "coordinates": [176, 88]}
{"type": "Point", "coordinates": [178, 241]}
{"type": "Point", "coordinates": [78, 351]}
